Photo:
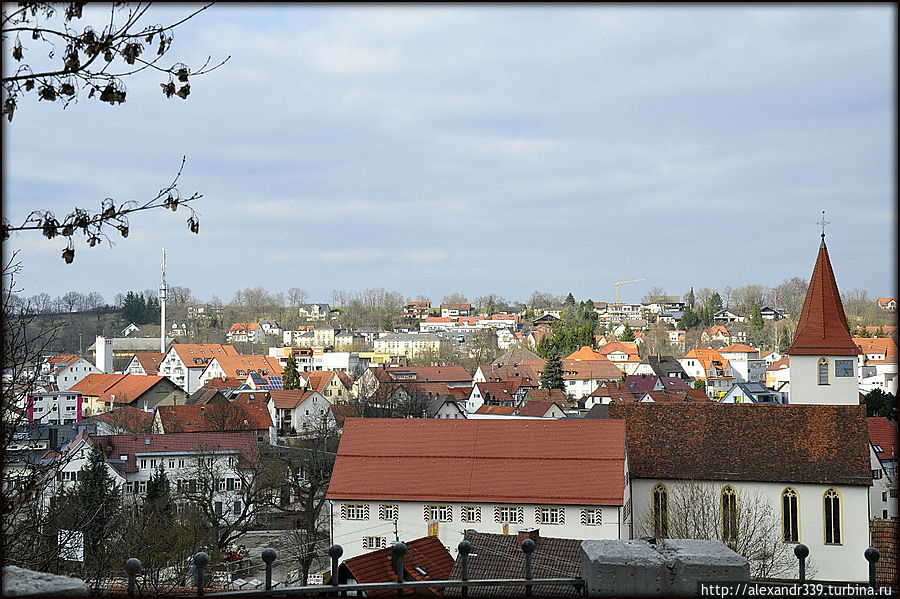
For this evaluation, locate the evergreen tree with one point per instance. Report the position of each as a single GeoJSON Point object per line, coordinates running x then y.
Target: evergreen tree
{"type": "Point", "coordinates": [862, 331]}
{"type": "Point", "coordinates": [158, 500]}
{"type": "Point", "coordinates": [627, 334]}
{"type": "Point", "coordinates": [756, 320]}
{"type": "Point", "coordinates": [689, 319]}
{"type": "Point", "coordinates": [98, 500]}
{"type": "Point", "coordinates": [570, 300]}
{"type": "Point", "coordinates": [689, 299]}
{"type": "Point", "coordinates": [880, 331]}
{"type": "Point", "coordinates": [291, 374]}
{"type": "Point", "coordinates": [552, 375]}
{"type": "Point", "coordinates": [880, 403]}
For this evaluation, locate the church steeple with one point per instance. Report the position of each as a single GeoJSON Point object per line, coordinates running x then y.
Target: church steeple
{"type": "Point", "coordinates": [822, 329]}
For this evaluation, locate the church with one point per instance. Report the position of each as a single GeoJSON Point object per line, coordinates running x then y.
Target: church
{"type": "Point", "coordinates": [801, 470]}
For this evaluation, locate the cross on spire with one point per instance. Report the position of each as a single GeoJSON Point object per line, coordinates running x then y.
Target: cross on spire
{"type": "Point", "coordinates": [823, 222]}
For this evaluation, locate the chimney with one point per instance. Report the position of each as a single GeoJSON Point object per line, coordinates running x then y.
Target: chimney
{"type": "Point", "coordinates": [529, 533]}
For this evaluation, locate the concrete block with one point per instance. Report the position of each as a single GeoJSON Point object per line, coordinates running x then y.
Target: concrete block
{"type": "Point", "coordinates": [691, 561]}
{"type": "Point", "coordinates": [623, 568]}
{"type": "Point", "coordinates": [19, 582]}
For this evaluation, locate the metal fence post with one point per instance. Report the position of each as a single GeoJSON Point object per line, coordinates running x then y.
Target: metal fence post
{"type": "Point", "coordinates": [268, 556]}
{"type": "Point", "coordinates": [133, 568]}
{"type": "Point", "coordinates": [399, 552]}
{"type": "Point", "coordinates": [335, 552]}
{"type": "Point", "coordinates": [528, 546]}
{"type": "Point", "coordinates": [465, 548]}
{"type": "Point", "coordinates": [872, 555]}
{"type": "Point", "coordinates": [201, 560]}
{"type": "Point", "coordinates": [802, 551]}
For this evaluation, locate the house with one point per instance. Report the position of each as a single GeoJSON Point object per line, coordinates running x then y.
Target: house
{"type": "Point", "coordinates": [145, 363]}
{"type": "Point", "coordinates": [126, 420]}
{"type": "Point", "coordinates": [667, 366]}
{"type": "Point", "coordinates": [270, 327]}
{"type": "Point", "coordinates": [582, 377]}
{"type": "Point", "coordinates": [725, 316]}
{"type": "Point", "coordinates": [547, 320]}
{"type": "Point", "coordinates": [778, 376]}
{"type": "Point", "coordinates": [493, 412]}
{"type": "Point", "coordinates": [209, 395]}
{"type": "Point", "coordinates": [451, 310]}
{"type": "Point", "coordinates": [103, 392]}
{"type": "Point", "coordinates": [888, 304]}
{"type": "Point", "coordinates": [877, 364]}
{"type": "Point", "coordinates": [314, 311]}
{"type": "Point", "coordinates": [494, 394]}
{"type": "Point", "coordinates": [556, 396]}
{"type": "Point", "coordinates": [381, 379]}
{"type": "Point", "coordinates": [299, 410]}
{"type": "Point", "coordinates": [883, 496]}
{"type": "Point", "coordinates": [426, 559]}
{"type": "Point", "coordinates": [334, 386]}
{"type": "Point", "coordinates": [65, 371]}
{"type": "Point", "coordinates": [415, 476]}
{"type": "Point", "coordinates": [240, 367]}
{"type": "Point", "coordinates": [542, 409]}
{"type": "Point", "coordinates": [823, 355]}
{"type": "Point", "coordinates": [245, 332]}
{"type": "Point", "coordinates": [187, 457]}
{"type": "Point", "coordinates": [131, 328]}
{"type": "Point", "coordinates": [711, 367]}
{"type": "Point", "coordinates": [769, 313]}
{"type": "Point", "coordinates": [639, 384]}
{"type": "Point", "coordinates": [752, 393]}
{"type": "Point", "coordinates": [770, 357]}
{"type": "Point", "coordinates": [519, 356]}
{"type": "Point", "coordinates": [746, 364]}
{"type": "Point", "coordinates": [608, 392]}
{"type": "Point", "coordinates": [443, 406]}
{"type": "Point", "coordinates": [491, 373]}
{"type": "Point", "coordinates": [810, 496]}
{"type": "Point", "coordinates": [185, 362]}
{"type": "Point", "coordinates": [417, 310]}
{"type": "Point", "coordinates": [54, 407]}
{"type": "Point", "coordinates": [499, 556]}
{"type": "Point", "coordinates": [242, 416]}
{"type": "Point", "coordinates": [412, 345]}
{"type": "Point", "coordinates": [675, 396]}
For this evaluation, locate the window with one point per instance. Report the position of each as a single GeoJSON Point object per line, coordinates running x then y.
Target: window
{"type": "Point", "coordinates": [876, 474]}
{"type": "Point", "coordinates": [470, 513]}
{"type": "Point", "coordinates": [550, 515]}
{"type": "Point", "coordinates": [441, 513]}
{"type": "Point", "coordinates": [143, 464]}
{"type": "Point", "coordinates": [237, 508]}
{"type": "Point", "coordinates": [823, 371]}
{"type": "Point", "coordinates": [142, 486]}
{"type": "Point", "coordinates": [181, 463]}
{"type": "Point", "coordinates": [591, 516]}
{"type": "Point", "coordinates": [171, 464]}
{"type": "Point", "coordinates": [221, 482]}
{"type": "Point", "coordinates": [374, 542]}
{"type": "Point", "coordinates": [660, 511]}
{"type": "Point", "coordinates": [153, 464]}
{"type": "Point", "coordinates": [355, 511]}
{"type": "Point", "coordinates": [219, 509]}
{"type": "Point", "coordinates": [832, 517]}
{"type": "Point", "coordinates": [510, 514]}
{"type": "Point", "coordinates": [388, 511]}
{"type": "Point", "coordinates": [789, 516]}
{"type": "Point", "coordinates": [729, 514]}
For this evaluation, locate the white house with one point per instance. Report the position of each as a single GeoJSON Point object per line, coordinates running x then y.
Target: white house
{"type": "Point", "coordinates": [746, 364]}
{"type": "Point", "coordinates": [790, 477]}
{"type": "Point", "coordinates": [54, 407]}
{"type": "Point", "coordinates": [411, 345]}
{"type": "Point", "coordinates": [185, 362]}
{"type": "Point", "coordinates": [65, 370]}
{"type": "Point", "coordinates": [298, 410]}
{"type": "Point", "coordinates": [440, 477]}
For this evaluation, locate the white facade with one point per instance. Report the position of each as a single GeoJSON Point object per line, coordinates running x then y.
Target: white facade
{"type": "Point", "coordinates": [356, 521]}
{"type": "Point", "coordinates": [185, 376]}
{"type": "Point", "coordinates": [828, 380]}
{"type": "Point", "coordinates": [832, 562]}
{"type": "Point", "coordinates": [66, 377]}
{"type": "Point", "coordinates": [336, 361]}
{"type": "Point", "coordinates": [54, 407]}
{"type": "Point", "coordinates": [883, 494]}
{"type": "Point", "coordinates": [410, 345]}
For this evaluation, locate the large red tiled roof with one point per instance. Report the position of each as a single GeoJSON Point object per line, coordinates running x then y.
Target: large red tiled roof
{"type": "Point", "coordinates": [432, 374]}
{"type": "Point", "coordinates": [288, 399]}
{"type": "Point", "coordinates": [496, 392]}
{"type": "Point", "coordinates": [496, 410]}
{"type": "Point", "coordinates": [792, 443]}
{"type": "Point", "coordinates": [427, 555]}
{"type": "Point", "coordinates": [188, 351]}
{"type": "Point", "coordinates": [150, 361]}
{"type": "Point", "coordinates": [590, 369]}
{"type": "Point", "coordinates": [877, 345]}
{"type": "Point", "coordinates": [537, 407]}
{"type": "Point", "coordinates": [883, 433]}
{"type": "Point", "coordinates": [245, 363]}
{"type": "Point", "coordinates": [214, 417]}
{"type": "Point", "coordinates": [125, 387]}
{"type": "Point", "coordinates": [496, 461]}
{"type": "Point", "coordinates": [177, 443]}
{"type": "Point", "coordinates": [822, 328]}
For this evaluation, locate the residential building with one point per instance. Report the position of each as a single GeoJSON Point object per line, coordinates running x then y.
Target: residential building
{"type": "Point", "coordinates": [185, 362]}
{"type": "Point", "coordinates": [65, 370]}
{"type": "Point", "coordinates": [240, 367]}
{"type": "Point", "coordinates": [889, 304]}
{"type": "Point", "coordinates": [883, 495]}
{"type": "Point", "coordinates": [418, 310]}
{"type": "Point", "coordinates": [752, 393]}
{"type": "Point", "coordinates": [455, 310]}
{"type": "Point", "coordinates": [494, 394]}
{"type": "Point", "coordinates": [769, 313]}
{"type": "Point", "coordinates": [145, 363]}
{"type": "Point", "coordinates": [725, 316]}
{"type": "Point", "coordinates": [582, 376]}
{"type": "Point", "coordinates": [333, 386]}
{"type": "Point", "coordinates": [314, 311]}
{"type": "Point", "coordinates": [624, 354]}
{"type": "Point", "coordinates": [54, 407]}
{"type": "Point", "coordinates": [746, 364]}
{"type": "Point", "coordinates": [791, 471]}
{"type": "Point", "coordinates": [426, 559]}
{"type": "Point", "coordinates": [667, 366]}
{"type": "Point", "coordinates": [411, 345]}
{"type": "Point", "coordinates": [440, 478]}
{"type": "Point", "coordinates": [299, 410]}
{"type": "Point", "coordinates": [104, 392]}
{"type": "Point", "coordinates": [712, 368]}
{"type": "Point", "coordinates": [126, 420]}
{"type": "Point", "coordinates": [239, 416]}
{"type": "Point", "coordinates": [542, 409]}
{"type": "Point", "coordinates": [245, 332]}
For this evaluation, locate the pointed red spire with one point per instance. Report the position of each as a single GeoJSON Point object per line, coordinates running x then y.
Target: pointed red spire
{"type": "Point", "coordinates": [822, 329]}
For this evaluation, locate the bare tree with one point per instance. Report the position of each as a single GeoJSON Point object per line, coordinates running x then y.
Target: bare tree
{"type": "Point", "coordinates": [297, 296]}
{"type": "Point", "coordinates": [656, 295]}
{"type": "Point", "coordinates": [454, 298]}
{"type": "Point", "coordinates": [746, 522]}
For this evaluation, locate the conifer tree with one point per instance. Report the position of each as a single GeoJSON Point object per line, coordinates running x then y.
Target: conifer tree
{"type": "Point", "coordinates": [627, 334]}
{"type": "Point", "coordinates": [552, 375]}
{"type": "Point", "coordinates": [291, 374]}
{"type": "Point", "coordinates": [158, 502]}
{"type": "Point", "coordinates": [756, 319]}
{"type": "Point", "coordinates": [784, 341]}
{"type": "Point", "coordinates": [98, 499]}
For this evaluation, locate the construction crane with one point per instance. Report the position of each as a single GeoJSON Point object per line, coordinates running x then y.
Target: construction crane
{"type": "Point", "coordinates": [623, 283]}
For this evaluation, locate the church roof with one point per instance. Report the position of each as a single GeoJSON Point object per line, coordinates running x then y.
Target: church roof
{"type": "Point", "coordinates": [822, 328]}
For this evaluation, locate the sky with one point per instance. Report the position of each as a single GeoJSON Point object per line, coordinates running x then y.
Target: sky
{"type": "Point", "coordinates": [501, 149]}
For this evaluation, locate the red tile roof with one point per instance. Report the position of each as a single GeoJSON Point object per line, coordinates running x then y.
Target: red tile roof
{"type": "Point", "coordinates": [590, 369]}
{"type": "Point", "coordinates": [822, 328]}
{"type": "Point", "coordinates": [177, 443]}
{"type": "Point", "coordinates": [427, 554]}
{"type": "Point", "coordinates": [557, 396]}
{"type": "Point", "coordinates": [817, 444]}
{"type": "Point", "coordinates": [585, 353]}
{"type": "Point", "coordinates": [288, 399]}
{"type": "Point", "coordinates": [496, 410]}
{"type": "Point", "coordinates": [739, 348]}
{"type": "Point", "coordinates": [188, 351]}
{"type": "Point", "coordinates": [125, 387]}
{"type": "Point", "coordinates": [493, 461]}
{"type": "Point", "coordinates": [245, 363]}
{"type": "Point", "coordinates": [883, 433]}
{"type": "Point", "coordinates": [880, 345]}
{"type": "Point", "coordinates": [496, 392]}
{"type": "Point", "coordinates": [149, 361]}
{"type": "Point", "coordinates": [214, 417]}
{"type": "Point", "coordinates": [537, 407]}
